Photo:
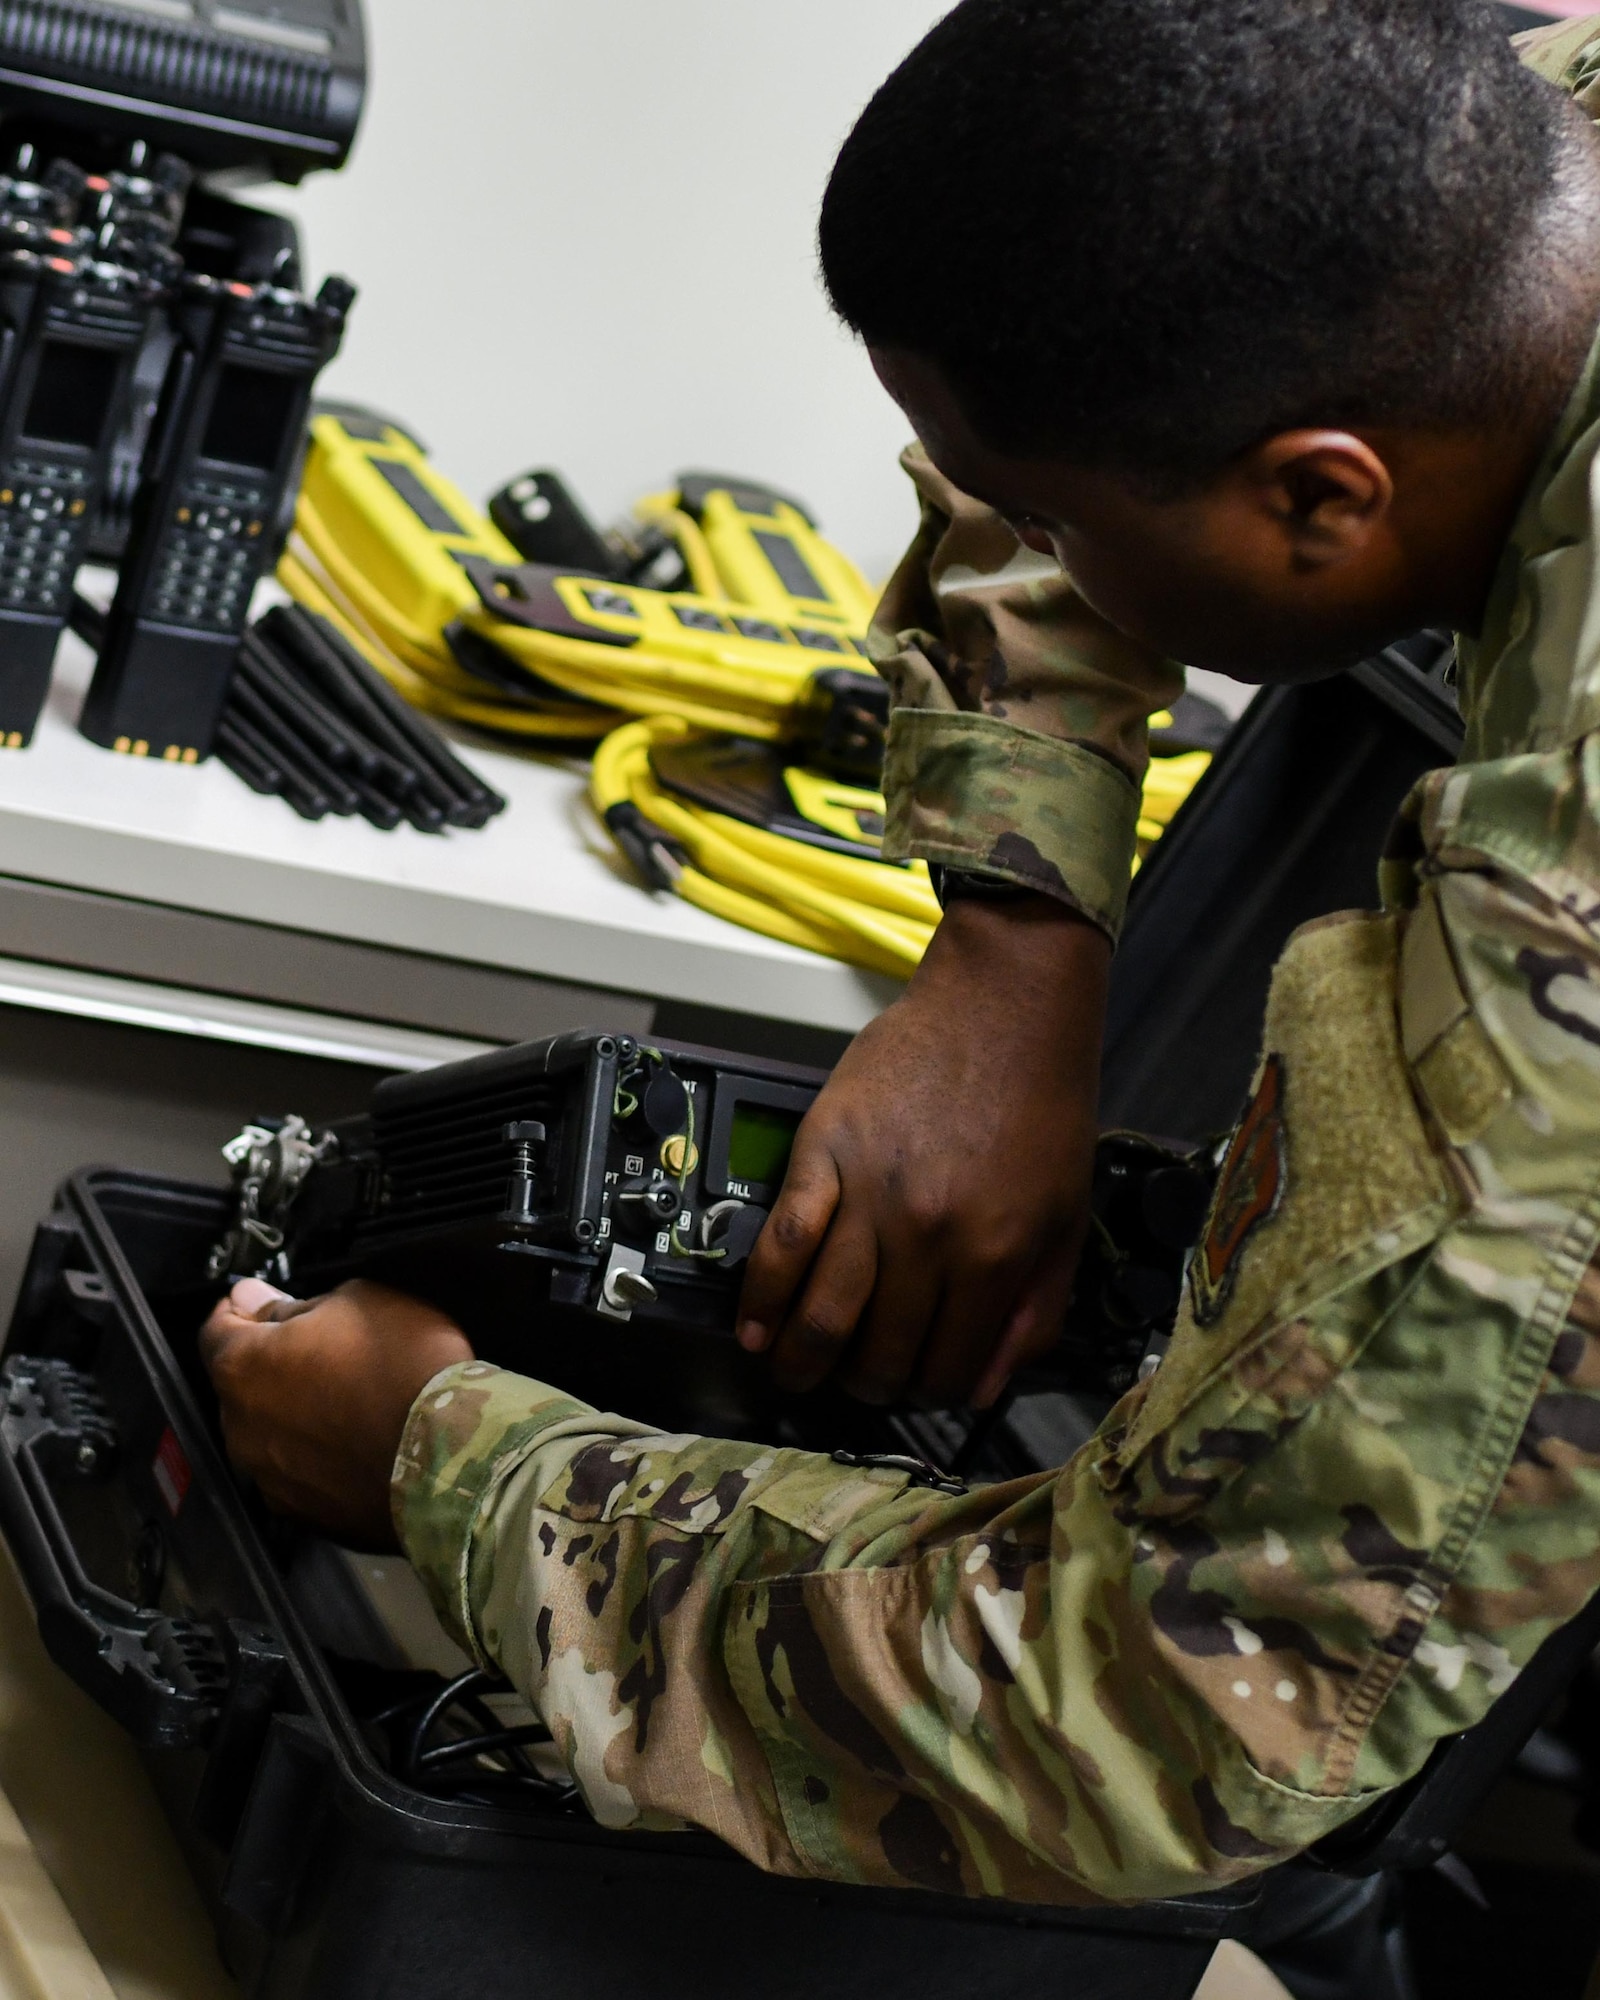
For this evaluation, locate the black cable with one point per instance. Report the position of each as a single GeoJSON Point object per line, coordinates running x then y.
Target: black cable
{"type": "Point", "coordinates": [475, 1677]}
{"type": "Point", "coordinates": [984, 1426]}
{"type": "Point", "coordinates": [461, 1690]}
{"type": "Point", "coordinates": [439, 1771]}
{"type": "Point", "coordinates": [479, 1746]}
{"type": "Point", "coordinates": [396, 1709]}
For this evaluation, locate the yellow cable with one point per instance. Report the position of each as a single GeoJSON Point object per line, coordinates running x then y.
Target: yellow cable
{"type": "Point", "coordinates": [662, 511]}
{"type": "Point", "coordinates": [633, 678]}
{"type": "Point", "coordinates": [359, 589]}
{"type": "Point", "coordinates": [861, 908]}
{"type": "Point", "coordinates": [620, 761]}
{"type": "Point", "coordinates": [296, 572]}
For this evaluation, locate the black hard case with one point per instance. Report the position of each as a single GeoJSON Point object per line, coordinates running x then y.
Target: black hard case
{"type": "Point", "coordinates": [329, 1879]}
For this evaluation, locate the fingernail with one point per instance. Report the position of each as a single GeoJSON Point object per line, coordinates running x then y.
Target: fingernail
{"type": "Point", "coordinates": [752, 1336]}
{"type": "Point", "coordinates": [251, 1294]}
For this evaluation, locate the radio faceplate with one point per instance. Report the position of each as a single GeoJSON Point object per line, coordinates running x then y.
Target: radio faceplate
{"type": "Point", "coordinates": [625, 1179]}
{"type": "Point", "coordinates": [595, 1180]}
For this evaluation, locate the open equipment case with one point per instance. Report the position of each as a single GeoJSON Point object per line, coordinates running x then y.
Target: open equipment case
{"type": "Point", "coordinates": [286, 1717]}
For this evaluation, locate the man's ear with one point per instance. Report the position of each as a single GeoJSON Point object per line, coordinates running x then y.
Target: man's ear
{"type": "Point", "coordinates": [1328, 492]}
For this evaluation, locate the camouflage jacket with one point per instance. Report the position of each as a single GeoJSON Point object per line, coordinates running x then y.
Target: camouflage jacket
{"type": "Point", "coordinates": [1359, 1492]}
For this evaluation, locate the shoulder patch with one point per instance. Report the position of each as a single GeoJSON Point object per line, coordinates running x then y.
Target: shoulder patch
{"type": "Point", "coordinates": [1249, 1191]}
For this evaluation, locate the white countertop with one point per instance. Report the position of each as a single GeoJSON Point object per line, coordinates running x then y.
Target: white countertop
{"type": "Point", "coordinates": [539, 890]}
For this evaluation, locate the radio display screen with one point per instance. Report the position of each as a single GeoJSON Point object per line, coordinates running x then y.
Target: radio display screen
{"type": "Point", "coordinates": [250, 412]}
{"type": "Point", "coordinates": [760, 1139]}
{"type": "Point", "coordinates": [71, 394]}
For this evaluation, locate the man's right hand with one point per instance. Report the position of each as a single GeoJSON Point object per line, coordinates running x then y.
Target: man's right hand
{"type": "Point", "coordinates": [937, 1196]}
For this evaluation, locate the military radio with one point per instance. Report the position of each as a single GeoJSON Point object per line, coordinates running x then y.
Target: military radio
{"type": "Point", "coordinates": [224, 446]}
{"type": "Point", "coordinates": [624, 1180]}
{"type": "Point", "coordinates": [71, 327]}
{"type": "Point", "coordinates": [256, 87]}
{"type": "Point", "coordinates": [594, 1182]}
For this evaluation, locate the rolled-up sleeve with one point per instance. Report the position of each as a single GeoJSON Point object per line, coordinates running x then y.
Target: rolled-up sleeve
{"type": "Point", "coordinates": [1018, 739]}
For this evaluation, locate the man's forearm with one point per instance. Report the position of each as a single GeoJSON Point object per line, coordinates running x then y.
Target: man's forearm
{"type": "Point", "coordinates": [837, 1672]}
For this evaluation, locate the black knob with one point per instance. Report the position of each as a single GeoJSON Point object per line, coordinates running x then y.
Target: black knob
{"type": "Point", "coordinates": [652, 1206]}
{"type": "Point", "coordinates": [1140, 1295]}
{"type": "Point", "coordinates": [732, 1227]}
{"type": "Point", "coordinates": [1174, 1201]}
{"type": "Point", "coordinates": [171, 174]}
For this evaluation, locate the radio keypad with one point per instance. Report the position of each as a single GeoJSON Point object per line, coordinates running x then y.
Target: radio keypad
{"type": "Point", "coordinates": [207, 567]}
{"type": "Point", "coordinates": [43, 520]}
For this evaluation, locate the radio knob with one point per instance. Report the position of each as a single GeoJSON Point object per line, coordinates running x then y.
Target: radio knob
{"type": "Point", "coordinates": [652, 1206]}
{"type": "Point", "coordinates": [732, 1227]}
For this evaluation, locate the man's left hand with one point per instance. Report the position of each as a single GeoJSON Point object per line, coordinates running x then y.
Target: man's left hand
{"type": "Point", "coordinates": [315, 1394]}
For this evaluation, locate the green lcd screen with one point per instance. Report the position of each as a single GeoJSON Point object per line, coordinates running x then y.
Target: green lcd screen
{"type": "Point", "coordinates": [759, 1142]}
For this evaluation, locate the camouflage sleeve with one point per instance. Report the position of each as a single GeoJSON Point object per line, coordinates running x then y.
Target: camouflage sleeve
{"type": "Point", "coordinates": [1018, 738]}
{"type": "Point", "coordinates": [1360, 1491]}
{"type": "Point", "coordinates": [1566, 53]}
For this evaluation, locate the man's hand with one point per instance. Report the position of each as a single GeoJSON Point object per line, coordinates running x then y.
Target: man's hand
{"type": "Point", "coordinates": [937, 1196]}
{"type": "Point", "coordinates": [315, 1394]}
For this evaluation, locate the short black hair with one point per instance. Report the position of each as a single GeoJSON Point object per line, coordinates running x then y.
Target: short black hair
{"type": "Point", "coordinates": [1146, 233]}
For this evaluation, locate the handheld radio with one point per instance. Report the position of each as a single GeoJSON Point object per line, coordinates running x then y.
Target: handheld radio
{"type": "Point", "coordinates": [50, 197]}
{"type": "Point", "coordinates": [70, 331]}
{"type": "Point", "coordinates": [225, 443]}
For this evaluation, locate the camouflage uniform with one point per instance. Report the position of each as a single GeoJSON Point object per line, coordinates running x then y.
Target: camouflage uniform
{"type": "Point", "coordinates": [1362, 1488]}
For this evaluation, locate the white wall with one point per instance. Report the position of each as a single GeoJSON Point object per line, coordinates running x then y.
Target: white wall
{"type": "Point", "coordinates": [583, 232]}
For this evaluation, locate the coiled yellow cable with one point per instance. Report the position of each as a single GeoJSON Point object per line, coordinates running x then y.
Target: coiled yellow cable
{"type": "Point", "coordinates": [733, 655]}
{"type": "Point", "coordinates": [871, 913]}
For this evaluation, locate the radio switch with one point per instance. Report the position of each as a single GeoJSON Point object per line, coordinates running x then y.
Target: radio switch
{"type": "Point", "coordinates": [624, 1285]}
{"type": "Point", "coordinates": [649, 1208]}
{"type": "Point", "coordinates": [732, 1228]}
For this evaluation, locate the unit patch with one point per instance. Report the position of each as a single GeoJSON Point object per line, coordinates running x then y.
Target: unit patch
{"type": "Point", "coordinates": [1249, 1190]}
